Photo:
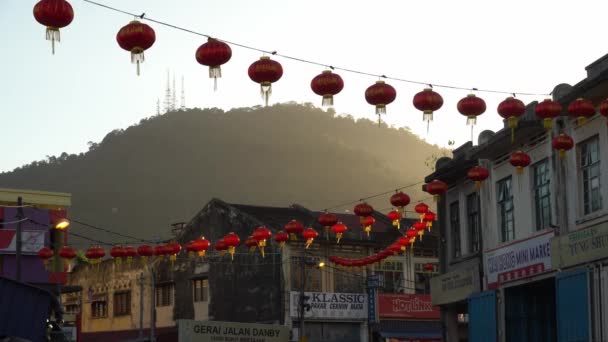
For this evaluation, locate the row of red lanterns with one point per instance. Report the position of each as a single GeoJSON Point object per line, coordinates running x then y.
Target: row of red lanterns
{"type": "Point", "coordinates": [136, 37]}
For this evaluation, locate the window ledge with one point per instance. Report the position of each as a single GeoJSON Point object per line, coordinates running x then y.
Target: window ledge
{"type": "Point", "coordinates": [581, 221]}
{"type": "Point", "coordinates": [464, 258]}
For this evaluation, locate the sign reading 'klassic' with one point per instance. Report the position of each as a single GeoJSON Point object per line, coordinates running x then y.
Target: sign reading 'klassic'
{"type": "Point", "coordinates": [332, 305]}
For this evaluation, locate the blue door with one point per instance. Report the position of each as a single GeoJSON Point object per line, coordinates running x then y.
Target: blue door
{"type": "Point", "coordinates": [482, 317]}
{"type": "Point", "coordinates": [572, 296]}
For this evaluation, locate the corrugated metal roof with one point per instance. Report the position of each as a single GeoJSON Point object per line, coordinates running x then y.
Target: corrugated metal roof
{"type": "Point", "coordinates": [24, 310]}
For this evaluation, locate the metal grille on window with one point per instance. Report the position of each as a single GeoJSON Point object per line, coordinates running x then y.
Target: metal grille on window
{"type": "Point", "coordinates": [542, 195]}
{"type": "Point", "coordinates": [392, 272]}
{"type": "Point", "coordinates": [473, 221]}
{"type": "Point", "coordinates": [455, 227]}
{"type": "Point", "coordinates": [122, 303]}
{"type": "Point", "coordinates": [590, 170]}
{"type": "Point", "coordinates": [164, 295]}
{"type": "Point", "coordinates": [200, 289]}
{"type": "Point", "coordinates": [505, 209]}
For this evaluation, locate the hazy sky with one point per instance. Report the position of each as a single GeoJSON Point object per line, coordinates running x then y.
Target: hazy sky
{"type": "Point", "coordinates": [53, 104]}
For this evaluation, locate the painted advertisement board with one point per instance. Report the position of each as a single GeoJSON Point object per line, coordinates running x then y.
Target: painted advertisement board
{"type": "Point", "coordinates": [408, 306]}
{"type": "Point", "coordinates": [327, 305]}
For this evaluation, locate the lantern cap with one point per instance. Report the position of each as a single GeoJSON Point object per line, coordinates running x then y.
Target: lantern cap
{"type": "Point", "coordinates": [379, 82]}
{"type": "Point", "coordinates": [263, 58]}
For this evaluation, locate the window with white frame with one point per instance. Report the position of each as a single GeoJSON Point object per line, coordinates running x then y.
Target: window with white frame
{"type": "Point", "coordinates": [542, 195]}
{"type": "Point", "coordinates": [455, 228]}
{"type": "Point", "coordinates": [589, 165]}
{"type": "Point", "coordinates": [473, 223]}
{"type": "Point", "coordinates": [505, 209]}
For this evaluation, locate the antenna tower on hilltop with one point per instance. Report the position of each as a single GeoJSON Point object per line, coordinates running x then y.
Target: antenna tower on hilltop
{"type": "Point", "coordinates": [183, 98]}
{"type": "Point", "coordinates": [167, 101]}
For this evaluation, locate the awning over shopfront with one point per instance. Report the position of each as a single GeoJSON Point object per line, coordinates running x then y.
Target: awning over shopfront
{"type": "Point", "coordinates": [415, 330]}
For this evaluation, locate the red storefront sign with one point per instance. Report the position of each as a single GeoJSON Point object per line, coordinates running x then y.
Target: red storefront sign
{"type": "Point", "coordinates": [407, 306]}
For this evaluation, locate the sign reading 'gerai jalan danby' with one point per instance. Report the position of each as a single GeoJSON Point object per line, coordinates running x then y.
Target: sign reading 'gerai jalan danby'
{"type": "Point", "coordinates": [212, 331]}
{"type": "Point", "coordinates": [331, 305]}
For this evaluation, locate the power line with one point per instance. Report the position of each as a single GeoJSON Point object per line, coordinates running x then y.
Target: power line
{"type": "Point", "coordinates": [302, 60]}
{"type": "Point", "coordinates": [373, 196]}
{"type": "Point", "coordinates": [110, 231]}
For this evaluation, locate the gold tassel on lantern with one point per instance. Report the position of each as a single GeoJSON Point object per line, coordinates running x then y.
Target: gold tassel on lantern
{"type": "Point", "coordinates": [231, 250]}
{"type": "Point", "coordinates": [309, 242]}
{"type": "Point", "coordinates": [421, 233]}
{"type": "Point", "coordinates": [548, 124]}
{"type": "Point", "coordinates": [201, 253]}
{"type": "Point", "coordinates": [519, 170]}
{"type": "Point", "coordinates": [281, 244]}
{"type": "Point", "coordinates": [137, 57]}
{"type": "Point", "coordinates": [261, 245]}
{"type": "Point", "coordinates": [173, 257]}
{"type": "Point", "coordinates": [144, 260]}
{"type": "Point", "coordinates": [266, 91]}
{"type": "Point", "coordinates": [512, 123]}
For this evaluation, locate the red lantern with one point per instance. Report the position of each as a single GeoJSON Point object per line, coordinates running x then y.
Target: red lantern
{"type": "Point", "coordinates": [136, 37]}
{"type": "Point", "coordinates": [581, 109]}
{"type": "Point", "coordinates": [45, 254]}
{"type": "Point", "coordinates": [67, 254]}
{"type": "Point", "coordinates": [419, 227]}
{"type": "Point", "coordinates": [54, 14]}
{"type": "Point", "coordinates": [117, 252]}
{"type": "Point", "coordinates": [367, 222]}
{"type": "Point", "coordinates": [411, 235]}
{"type": "Point", "coordinates": [395, 248]}
{"type": "Point", "coordinates": [380, 95]}
{"type": "Point", "coordinates": [231, 240]}
{"type": "Point", "coordinates": [471, 107]}
{"type": "Point", "coordinates": [604, 109]}
{"type": "Point", "coordinates": [251, 243]}
{"type": "Point", "coordinates": [395, 217]}
{"type": "Point", "coordinates": [429, 267]}
{"type": "Point", "coordinates": [93, 255]}
{"type": "Point", "coordinates": [145, 251]}
{"type": "Point", "coordinates": [478, 174]}
{"type": "Point", "coordinates": [220, 246]}
{"type": "Point", "coordinates": [429, 218]}
{"type": "Point", "coordinates": [261, 235]}
{"type": "Point", "coordinates": [173, 249]}
{"type": "Point", "coordinates": [421, 209]}
{"type": "Point", "coordinates": [310, 235]}
{"type": "Point", "coordinates": [403, 241]}
{"type": "Point", "coordinates": [363, 209]}
{"type": "Point", "coordinates": [400, 200]}
{"type": "Point", "coordinates": [294, 228]}
{"type": "Point", "coordinates": [548, 110]}
{"type": "Point", "coordinates": [214, 54]}
{"type": "Point", "coordinates": [130, 252]}
{"type": "Point", "coordinates": [190, 249]}
{"type": "Point", "coordinates": [511, 109]}
{"type": "Point", "coordinates": [428, 101]}
{"type": "Point", "coordinates": [327, 219]}
{"type": "Point", "coordinates": [339, 229]}
{"type": "Point", "coordinates": [281, 237]}
{"type": "Point", "coordinates": [562, 143]}
{"type": "Point", "coordinates": [520, 160]}
{"type": "Point", "coordinates": [436, 188]}
{"type": "Point", "coordinates": [327, 84]}
{"type": "Point", "coordinates": [265, 71]}
{"type": "Point", "coordinates": [200, 246]}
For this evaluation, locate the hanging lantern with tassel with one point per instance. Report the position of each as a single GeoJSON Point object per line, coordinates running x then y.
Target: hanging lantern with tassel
{"type": "Point", "coordinates": [214, 54]}
{"type": "Point", "coordinates": [436, 188]}
{"type": "Point", "coordinates": [327, 85]}
{"type": "Point", "coordinates": [309, 234]}
{"type": "Point", "coordinates": [478, 174]}
{"type": "Point", "coordinates": [429, 218]}
{"type": "Point", "coordinates": [45, 254]}
{"type": "Point", "coordinates": [189, 248]}
{"type": "Point", "coordinates": [380, 95]}
{"type": "Point", "coordinates": [294, 228]}
{"type": "Point", "coordinates": [144, 252]}
{"type": "Point", "coordinates": [327, 220]}
{"type": "Point", "coordinates": [117, 252]}
{"type": "Point", "coordinates": [339, 228]}
{"type": "Point", "coordinates": [548, 110]}
{"type": "Point", "coordinates": [130, 252]}
{"type": "Point", "coordinates": [67, 254]}
{"type": "Point", "coordinates": [261, 234]}
{"type": "Point", "coordinates": [428, 101]}
{"type": "Point", "coordinates": [420, 227]}
{"type": "Point", "coordinates": [471, 107]}
{"type": "Point", "coordinates": [232, 241]}
{"type": "Point", "coordinates": [403, 241]}
{"type": "Point", "coordinates": [280, 238]}
{"type": "Point", "coordinates": [421, 209]}
{"type": "Point", "coordinates": [520, 160]}
{"type": "Point", "coordinates": [411, 235]}
{"type": "Point", "coordinates": [582, 110]}
{"type": "Point", "coordinates": [265, 71]}
{"type": "Point", "coordinates": [200, 246]}
{"type": "Point", "coordinates": [220, 246]}
{"type": "Point", "coordinates": [511, 109]}
{"type": "Point", "coordinates": [252, 244]}
{"type": "Point", "coordinates": [173, 249]}
{"type": "Point", "coordinates": [54, 14]}
{"type": "Point", "coordinates": [367, 222]}
{"type": "Point", "coordinates": [136, 37]}
{"type": "Point", "coordinates": [400, 200]}
{"type": "Point", "coordinates": [562, 143]}
{"type": "Point", "coordinates": [395, 217]}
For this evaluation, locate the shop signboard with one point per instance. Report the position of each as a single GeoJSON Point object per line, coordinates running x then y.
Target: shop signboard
{"type": "Point", "coordinates": [407, 306]}
{"type": "Point", "coordinates": [215, 331]}
{"type": "Point", "coordinates": [518, 259]}
{"type": "Point", "coordinates": [32, 241]}
{"type": "Point", "coordinates": [328, 305]}
{"type": "Point", "coordinates": [455, 286]}
{"type": "Point", "coordinates": [580, 246]}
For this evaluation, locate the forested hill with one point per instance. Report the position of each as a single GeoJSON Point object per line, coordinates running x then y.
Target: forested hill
{"type": "Point", "coordinates": [164, 169]}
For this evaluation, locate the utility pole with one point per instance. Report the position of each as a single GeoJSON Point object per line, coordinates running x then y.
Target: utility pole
{"type": "Point", "coordinates": [18, 232]}
{"type": "Point", "coordinates": [302, 294]}
{"type": "Point", "coordinates": [140, 280]}
{"type": "Point", "coordinates": [153, 303]}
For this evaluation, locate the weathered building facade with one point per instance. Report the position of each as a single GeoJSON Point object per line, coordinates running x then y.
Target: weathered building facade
{"type": "Point", "coordinates": [523, 257]}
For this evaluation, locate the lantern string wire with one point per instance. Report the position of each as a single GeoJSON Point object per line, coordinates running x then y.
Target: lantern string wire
{"type": "Point", "coordinates": [372, 196]}
{"type": "Point", "coordinates": [302, 60]}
